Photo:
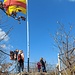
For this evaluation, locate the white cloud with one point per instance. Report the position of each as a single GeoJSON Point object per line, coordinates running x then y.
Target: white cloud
{"type": "Point", "coordinates": [2, 35]}
{"type": "Point", "coordinates": [7, 47]}
{"type": "Point", "coordinates": [72, 0]}
{"type": "Point", "coordinates": [3, 46]}
{"type": "Point", "coordinates": [67, 0]}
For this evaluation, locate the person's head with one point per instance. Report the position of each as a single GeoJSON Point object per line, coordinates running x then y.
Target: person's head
{"type": "Point", "coordinates": [41, 58]}
{"type": "Point", "coordinates": [20, 51]}
{"type": "Point", "coordinates": [17, 50]}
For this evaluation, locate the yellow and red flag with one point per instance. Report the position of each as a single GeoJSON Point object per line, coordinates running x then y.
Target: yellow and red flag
{"type": "Point", "coordinates": [15, 6]}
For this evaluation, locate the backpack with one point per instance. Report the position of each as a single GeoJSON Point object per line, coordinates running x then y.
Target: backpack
{"type": "Point", "coordinates": [11, 55]}
{"type": "Point", "coordinates": [19, 57]}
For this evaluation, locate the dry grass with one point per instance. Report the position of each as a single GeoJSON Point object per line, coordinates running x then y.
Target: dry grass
{"type": "Point", "coordinates": [35, 73]}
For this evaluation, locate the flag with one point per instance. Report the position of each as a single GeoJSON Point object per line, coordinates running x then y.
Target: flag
{"type": "Point", "coordinates": [15, 6]}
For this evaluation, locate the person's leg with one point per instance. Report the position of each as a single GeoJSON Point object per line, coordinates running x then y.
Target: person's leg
{"type": "Point", "coordinates": [18, 66]}
{"type": "Point", "coordinates": [38, 70]}
{"type": "Point", "coordinates": [45, 69]}
{"type": "Point", "coordinates": [15, 63]}
{"type": "Point", "coordinates": [22, 66]}
{"type": "Point", "coordinates": [42, 69]}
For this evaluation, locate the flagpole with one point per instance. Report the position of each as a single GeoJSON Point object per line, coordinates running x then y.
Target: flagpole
{"type": "Point", "coordinates": [28, 45]}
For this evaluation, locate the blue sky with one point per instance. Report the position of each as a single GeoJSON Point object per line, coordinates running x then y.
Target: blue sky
{"type": "Point", "coordinates": [43, 17]}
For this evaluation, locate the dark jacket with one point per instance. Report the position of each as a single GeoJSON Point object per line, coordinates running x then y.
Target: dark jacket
{"type": "Point", "coordinates": [42, 63]}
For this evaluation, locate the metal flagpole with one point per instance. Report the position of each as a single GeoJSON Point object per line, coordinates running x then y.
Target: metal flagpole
{"type": "Point", "coordinates": [28, 46]}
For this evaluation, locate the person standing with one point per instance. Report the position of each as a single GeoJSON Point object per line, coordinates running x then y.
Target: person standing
{"type": "Point", "coordinates": [43, 65]}
{"type": "Point", "coordinates": [16, 59]}
{"type": "Point", "coordinates": [20, 61]}
{"type": "Point", "coordinates": [38, 66]}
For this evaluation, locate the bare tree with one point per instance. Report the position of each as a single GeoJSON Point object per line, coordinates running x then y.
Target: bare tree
{"type": "Point", "coordinates": [65, 42]}
{"type": "Point", "coordinates": [4, 32]}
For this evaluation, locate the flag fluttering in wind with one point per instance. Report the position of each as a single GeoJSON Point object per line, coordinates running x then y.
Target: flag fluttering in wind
{"type": "Point", "coordinates": [14, 6]}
